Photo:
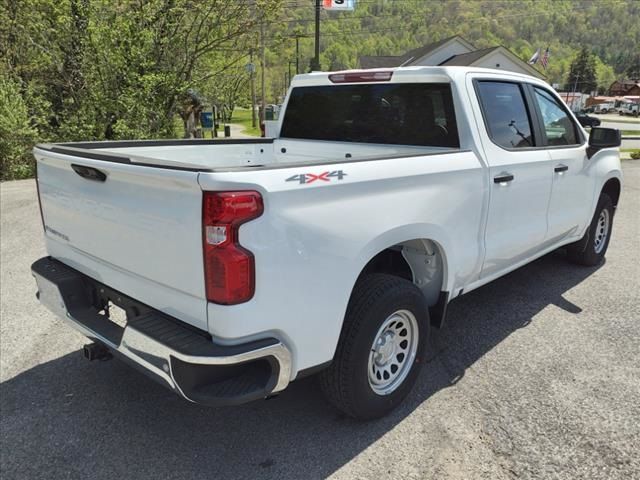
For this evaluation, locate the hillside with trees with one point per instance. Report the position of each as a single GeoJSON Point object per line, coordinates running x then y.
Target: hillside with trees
{"type": "Point", "coordinates": [96, 69]}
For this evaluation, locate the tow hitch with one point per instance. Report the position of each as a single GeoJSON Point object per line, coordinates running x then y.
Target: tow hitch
{"type": "Point", "coordinates": [96, 351]}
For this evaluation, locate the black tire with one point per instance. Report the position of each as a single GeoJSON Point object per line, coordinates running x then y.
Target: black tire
{"type": "Point", "coordinates": [584, 251]}
{"type": "Point", "coordinates": [346, 382]}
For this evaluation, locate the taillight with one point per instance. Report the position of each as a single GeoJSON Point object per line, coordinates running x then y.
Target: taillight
{"type": "Point", "coordinates": [229, 269]}
{"type": "Point", "coordinates": [356, 77]}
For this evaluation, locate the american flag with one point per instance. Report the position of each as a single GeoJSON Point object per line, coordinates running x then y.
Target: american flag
{"type": "Point", "coordinates": [545, 59]}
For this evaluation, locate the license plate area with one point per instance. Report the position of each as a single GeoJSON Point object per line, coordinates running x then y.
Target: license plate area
{"type": "Point", "coordinates": [115, 314]}
{"type": "Point", "coordinates": [116, 308]}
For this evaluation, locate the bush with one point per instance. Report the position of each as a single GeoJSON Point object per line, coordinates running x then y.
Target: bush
{"type": "Point", "coordinates": [635, 155]}
{"type": "Point", "coordinates": [17, 136]}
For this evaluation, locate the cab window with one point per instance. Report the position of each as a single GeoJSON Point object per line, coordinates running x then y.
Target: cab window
{"type": "Point", "coordinates": [420, 114]}
{"type": "Point", "coordinates": [505, 114]}
{"type": "Point", "coordinates": [559, 128]}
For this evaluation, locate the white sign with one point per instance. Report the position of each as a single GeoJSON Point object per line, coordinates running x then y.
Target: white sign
{"type": "Point", "coordinates": [339, 4]}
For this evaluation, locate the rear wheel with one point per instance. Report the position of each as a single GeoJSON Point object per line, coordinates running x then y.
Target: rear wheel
{"type": "Point", "coordinates": [381, 347]}
{"type": "Point", "coordinates": [591, 249]}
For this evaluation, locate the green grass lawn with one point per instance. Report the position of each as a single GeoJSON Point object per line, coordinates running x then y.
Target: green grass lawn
{"type": "Point", "coordinates": [625, 133]}
{"type": "Point", "coordinates": [242, 116]}
{"type": "Point", "coordinates": [620, 120]}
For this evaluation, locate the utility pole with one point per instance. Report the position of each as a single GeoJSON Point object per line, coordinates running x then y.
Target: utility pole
{"type": "Point", "coordinates": [573, 95]}
{"type": "Point", "coordinates": [252, 72]}
{"type": "Point", "coordinates": [290, 62]}
{"type": "Point", "coordinates": [315, 65]}
{"type": "Point", "coordinates": [297, 54]}
{"type": "Point", "coordinates": [262, 67]}
{"type": "Point", "coordinates": [284, 84]}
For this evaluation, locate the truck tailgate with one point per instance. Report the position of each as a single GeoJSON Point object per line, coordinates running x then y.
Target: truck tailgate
{"type": "Point", "coordinates": [138, 230]}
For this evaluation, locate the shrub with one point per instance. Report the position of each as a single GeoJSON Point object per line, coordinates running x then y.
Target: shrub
{"type": "Point", "coordinates": [635, 155]}
{"type": "Point", "coordinates": [17, 136]}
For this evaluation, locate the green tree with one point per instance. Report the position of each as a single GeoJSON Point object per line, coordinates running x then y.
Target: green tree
{"type": "Point", "coordinates": [633, 70]}
{"type": "Point", "coordinates": [17, 136]}
{"type": "Point", "coordinates": [582, 72]}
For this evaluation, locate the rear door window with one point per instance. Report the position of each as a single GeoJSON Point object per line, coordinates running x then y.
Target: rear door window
{"type": "Point", "coordinates": [397, 113]}
{"type": "Point", "coordinates": [505, 114]}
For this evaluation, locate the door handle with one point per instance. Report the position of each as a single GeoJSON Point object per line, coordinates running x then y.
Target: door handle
{"type": "Point", "coordinates": [561, 168]}
{"type": "Point", "coordinates": [503, 178]}
{"type": "Point", "coordinates": [89, 173]}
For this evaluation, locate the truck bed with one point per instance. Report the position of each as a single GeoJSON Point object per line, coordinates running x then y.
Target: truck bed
{"type": "Point", "coordinates": [224, 154]}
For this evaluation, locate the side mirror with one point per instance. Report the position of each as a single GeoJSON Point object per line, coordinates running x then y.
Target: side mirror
{"type": "Point", "coordinates": [600, 138]}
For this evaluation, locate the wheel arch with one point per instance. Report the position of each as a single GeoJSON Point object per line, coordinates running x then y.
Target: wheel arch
{"type": "Point", "coordinates": [612, 187]}
{"type": "Point", "coordinates": [422, 260]}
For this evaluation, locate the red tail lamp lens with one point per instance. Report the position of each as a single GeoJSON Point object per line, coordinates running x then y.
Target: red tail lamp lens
{"type": "Point", "coordinates": [229, 268]}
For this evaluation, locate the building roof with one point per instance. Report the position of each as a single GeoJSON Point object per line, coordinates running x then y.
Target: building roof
{"type": "Point", "coordinates": [427, 49]}
{"type": "Point", "coordinates": [467, 59]}
{"type": "Point", "coordinates": [384, 61]}
{"type": "Point", "coordinates": [462, 60]}
{"type": "Point", "coordinates": [625, 83]}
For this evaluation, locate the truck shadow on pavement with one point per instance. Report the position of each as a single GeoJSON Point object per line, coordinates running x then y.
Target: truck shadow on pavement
{"type": "Point", "coordinates": [68, 418]}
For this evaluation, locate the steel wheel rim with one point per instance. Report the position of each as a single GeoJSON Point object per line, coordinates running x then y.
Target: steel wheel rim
{"type": "Point", "coordinates": [602, 231]}
{"type": "Point", "coordinates": [393, 352]}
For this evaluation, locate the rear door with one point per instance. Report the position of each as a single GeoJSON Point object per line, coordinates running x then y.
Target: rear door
{"type": "Point", "coordinates": [134, 228]}
{"type": "Point", "coordinates": [520, 174]}
{"type": "Point", "coordinates": [572, 186]}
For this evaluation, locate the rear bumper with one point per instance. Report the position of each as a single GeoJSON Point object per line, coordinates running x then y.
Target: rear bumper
{"type": "Point", "coordinates": [178, 356]}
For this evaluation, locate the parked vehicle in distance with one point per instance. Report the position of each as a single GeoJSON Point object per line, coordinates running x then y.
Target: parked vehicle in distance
{"type": "Point", "coordinates": [604, 108]}
{"type": "Point", "coordinates": [333, 248]}
{"type": "Point", "coordinates": [632, 109]}
{"type": "Point", "coordinates": [587, 121]}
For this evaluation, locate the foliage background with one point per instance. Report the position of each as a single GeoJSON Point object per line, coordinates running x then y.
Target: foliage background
{"type": "Point", "coordinates": [96, 69]}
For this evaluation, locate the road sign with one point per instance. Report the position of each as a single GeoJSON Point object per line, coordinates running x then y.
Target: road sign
{"type": "Point", "coordinates": [339, 4]}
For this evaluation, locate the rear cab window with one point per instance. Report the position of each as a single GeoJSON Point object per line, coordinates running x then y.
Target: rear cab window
{"type": "Point", "coordinates": [420, 114]}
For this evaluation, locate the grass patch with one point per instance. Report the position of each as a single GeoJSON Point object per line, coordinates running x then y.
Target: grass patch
{"type": "Point", "coordinates": [621, 120]}
{"type": "Point", "coordinates": [242, 116]}
{"type": "Point", "coordinates": [631, 133]}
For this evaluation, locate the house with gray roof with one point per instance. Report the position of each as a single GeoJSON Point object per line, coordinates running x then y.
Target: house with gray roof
{"type": "Point", "coordinates": [453, 51]}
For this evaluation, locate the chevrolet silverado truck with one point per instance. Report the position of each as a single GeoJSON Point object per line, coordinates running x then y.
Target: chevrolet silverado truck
{"type": "Point", "coordinates": [226, 269]}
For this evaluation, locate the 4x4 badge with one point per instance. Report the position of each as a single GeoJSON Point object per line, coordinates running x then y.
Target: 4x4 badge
{"type": "Point", "coordinates": [307, 178]}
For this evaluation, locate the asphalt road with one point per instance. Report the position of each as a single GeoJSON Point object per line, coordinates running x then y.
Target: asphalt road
{"type": "Point", "coordinates": [536, 375]}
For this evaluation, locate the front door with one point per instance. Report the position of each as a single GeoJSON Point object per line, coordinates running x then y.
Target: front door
{"type": "Point", "coordinates": [572, 186]}
{"type": "Point", "coordinates": [520, 176]}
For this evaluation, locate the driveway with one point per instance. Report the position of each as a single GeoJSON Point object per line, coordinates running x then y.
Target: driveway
{"type": "Point", "coordinates": [535, 376]}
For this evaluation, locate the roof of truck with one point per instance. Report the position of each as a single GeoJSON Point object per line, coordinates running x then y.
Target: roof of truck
{"type": "Point", "coordinates": [415, 73]}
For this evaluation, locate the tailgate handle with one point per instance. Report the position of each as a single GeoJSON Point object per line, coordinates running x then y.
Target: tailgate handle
{"type": "Point", "coordinates": [89, 173]}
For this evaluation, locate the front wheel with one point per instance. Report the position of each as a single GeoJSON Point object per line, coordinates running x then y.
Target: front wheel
{"type": "Point", "coordinates": [381, 347]}
{"type": "Point", "coordinates": [591, 249]}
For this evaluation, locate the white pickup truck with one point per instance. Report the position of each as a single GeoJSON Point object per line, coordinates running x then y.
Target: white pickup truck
{"type": "Point", "coordinates": [333, 248]}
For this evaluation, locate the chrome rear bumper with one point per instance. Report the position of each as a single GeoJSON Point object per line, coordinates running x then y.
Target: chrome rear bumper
{"type": "Point", "coordinates": [180, 357]}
